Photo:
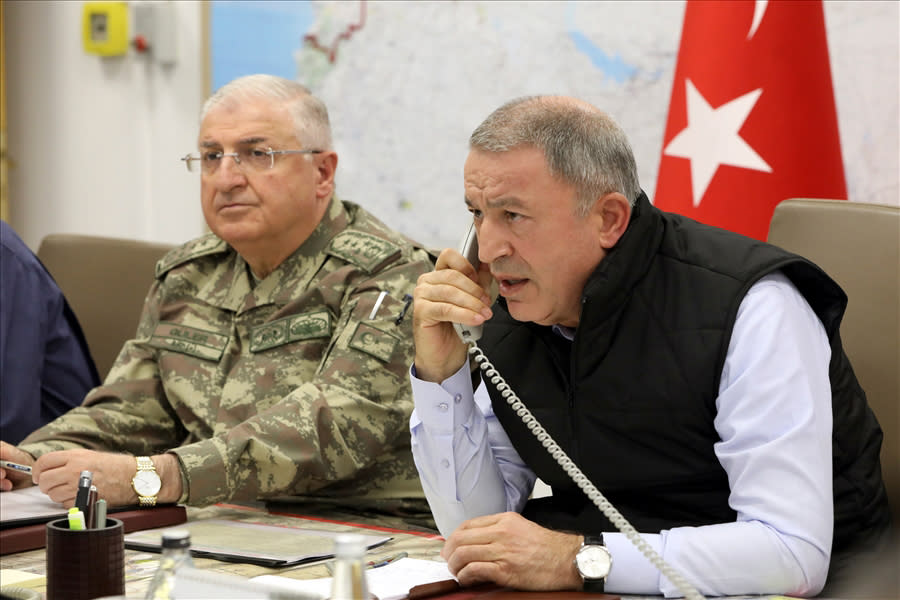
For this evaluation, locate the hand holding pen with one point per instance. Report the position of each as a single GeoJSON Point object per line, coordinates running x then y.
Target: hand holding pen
{"type": "Point", "coordinates": [15, 467]}
{"type": "Point", "coordinates": [57, 474]}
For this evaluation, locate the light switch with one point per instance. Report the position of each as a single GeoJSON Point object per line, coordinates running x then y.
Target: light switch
{"type": "Point", "coordinates": [154, 30]}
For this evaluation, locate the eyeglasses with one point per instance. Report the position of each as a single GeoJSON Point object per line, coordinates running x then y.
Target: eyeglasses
{"type": "Point", "coordinates": [250, 159]}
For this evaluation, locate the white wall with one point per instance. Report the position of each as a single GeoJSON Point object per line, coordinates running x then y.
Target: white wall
{"type": "Point", "coordinates": [95, 142]}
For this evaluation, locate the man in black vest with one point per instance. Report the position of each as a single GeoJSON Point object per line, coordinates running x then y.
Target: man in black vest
{"type": "Point", "coordinates": [695, 376]}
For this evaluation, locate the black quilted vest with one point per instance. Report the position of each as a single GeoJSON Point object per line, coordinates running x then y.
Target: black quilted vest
{"type": "Point", "coordinates": [632, 398]}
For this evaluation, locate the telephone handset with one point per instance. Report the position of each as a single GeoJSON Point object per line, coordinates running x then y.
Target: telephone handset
{"type": "Point", "coordinates": [469, 248]}
{"type": "Point", "coordinates": [470, 335]}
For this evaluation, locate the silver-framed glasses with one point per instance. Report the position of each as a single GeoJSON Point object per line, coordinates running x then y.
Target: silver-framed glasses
{"type": "Point", "coordinates": [252, 158]}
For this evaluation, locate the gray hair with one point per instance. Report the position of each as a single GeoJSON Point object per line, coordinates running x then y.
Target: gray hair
{"type": "Point", "coordinates": [583, 146]}
{"type": "Point", "coordinates": [311, 125]}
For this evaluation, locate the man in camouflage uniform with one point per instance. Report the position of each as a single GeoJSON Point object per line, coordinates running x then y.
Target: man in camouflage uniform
{"type": "Point", "coordinates": [271, 356]}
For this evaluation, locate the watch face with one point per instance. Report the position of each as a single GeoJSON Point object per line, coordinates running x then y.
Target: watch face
{"type": "Point", "coordinates": [593, 562]}
{"type": "Point", "coordinates": [146, 483]}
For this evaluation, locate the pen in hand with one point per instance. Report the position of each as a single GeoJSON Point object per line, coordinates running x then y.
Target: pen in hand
{"type": "Point", "coordinates": [15, 466]}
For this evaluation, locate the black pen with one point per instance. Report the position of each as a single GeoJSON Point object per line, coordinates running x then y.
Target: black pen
{"type": "Point", "coordinates": [407, 300]}
{"type": "Point", "coordinates": [82, 496]}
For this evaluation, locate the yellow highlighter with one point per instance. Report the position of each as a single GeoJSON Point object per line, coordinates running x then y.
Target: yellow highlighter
{"type": "Point", "coordinates": [76, 519]}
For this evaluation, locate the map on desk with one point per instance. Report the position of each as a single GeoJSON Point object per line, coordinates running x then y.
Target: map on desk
{"type": "Point", "coordinates": [238, 541]}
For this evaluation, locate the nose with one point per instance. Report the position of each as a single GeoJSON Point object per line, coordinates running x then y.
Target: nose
{"type": "Point", "coordinates": [492, 244]}
{"type": "Point", "coordinates": [229, 174]}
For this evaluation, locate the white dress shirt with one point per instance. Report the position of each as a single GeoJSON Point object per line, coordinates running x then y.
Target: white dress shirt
{"type": "Point", "coordinates": [774, 419]}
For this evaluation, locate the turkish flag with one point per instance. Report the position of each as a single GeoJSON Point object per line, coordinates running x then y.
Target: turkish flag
{"type": "Point", "coordinates": [752, 119]}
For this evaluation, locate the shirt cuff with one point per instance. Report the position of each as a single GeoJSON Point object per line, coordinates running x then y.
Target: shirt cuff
{"type": "Point", "coordinates": [440, 407]}
{"type": "Point", "coordinates": [631, 571]}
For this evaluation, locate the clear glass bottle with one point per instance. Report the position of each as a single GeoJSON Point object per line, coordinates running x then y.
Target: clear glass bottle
{"type": "Point", "coordinates": [349, 578]}
{"type": "Point", "coordinates": [176, 553]}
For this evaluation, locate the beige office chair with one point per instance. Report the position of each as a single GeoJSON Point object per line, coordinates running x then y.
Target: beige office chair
{"type": "Point", "coordinates": [105, 281]}
{"type": "Point", "coordinates": [858, 245]}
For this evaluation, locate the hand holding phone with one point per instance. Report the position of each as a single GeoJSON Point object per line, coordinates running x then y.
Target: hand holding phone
{"type": "Point", "coordinates": [469, 248]}
{"type": "Point", "coordinates": [469, 335]}
{"type": "Point", "coordinates": [441, 297]}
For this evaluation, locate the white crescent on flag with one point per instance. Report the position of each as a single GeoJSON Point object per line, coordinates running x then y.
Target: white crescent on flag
{"type": "Point", "coordinates": [758, 11]}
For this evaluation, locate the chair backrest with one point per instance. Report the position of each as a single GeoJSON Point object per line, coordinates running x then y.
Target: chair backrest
{"type": "Point", "coordinates": [105, 281]}
{"type": "Point", "coordinates": [858, 245]}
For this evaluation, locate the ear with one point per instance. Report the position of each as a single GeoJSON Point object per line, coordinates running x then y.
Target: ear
{"type": "Point", "coordinates": [612, 213]}
{"type": "Point", "coordinates": [326, 165]}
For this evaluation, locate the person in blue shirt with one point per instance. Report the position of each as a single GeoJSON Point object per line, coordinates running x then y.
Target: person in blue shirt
{"type": "Point", "coordinates": [45, 365]}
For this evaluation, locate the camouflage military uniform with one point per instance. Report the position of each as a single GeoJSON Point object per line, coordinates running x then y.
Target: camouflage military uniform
{"type": "Point", "coordinates": [282, 386]}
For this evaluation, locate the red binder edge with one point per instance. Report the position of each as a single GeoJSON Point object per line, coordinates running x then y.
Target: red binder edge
{"type": "Point", "coordinates": [31, 537]}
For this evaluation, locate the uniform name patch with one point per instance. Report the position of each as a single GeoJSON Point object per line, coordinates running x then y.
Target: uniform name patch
{"type": "Point", "coordinates": [180, 338]}
{"type": "Point", "coordinates": [371, 340]}
{"type": "Point", "coordinates": [290, 329]}
{"type": "Point", "coordinates": [362, 249]}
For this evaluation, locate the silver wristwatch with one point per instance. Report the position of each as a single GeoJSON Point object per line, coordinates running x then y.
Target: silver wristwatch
{"type": "Point", "coordinates": [593, 562]}
{"type": "Point", "coordinates": [146, 482]}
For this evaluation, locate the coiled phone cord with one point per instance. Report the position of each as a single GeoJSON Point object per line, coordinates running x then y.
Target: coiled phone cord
{"type": "Point", "coordinates": [579, 477]}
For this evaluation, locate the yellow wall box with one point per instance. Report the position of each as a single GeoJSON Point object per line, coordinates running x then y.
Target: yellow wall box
{"type": "Point", "coordinates": [104, 27]}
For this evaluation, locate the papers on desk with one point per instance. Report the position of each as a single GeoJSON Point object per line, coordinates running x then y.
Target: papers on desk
{"type": "Point", "coordinates": [390, 582]}
{"type": "Point", "coordinates": [26, 506]}
{"type": "Point", "coordinates": [16, 577]}
{"type": "Point", "coordinates": [197, 583]}
{"type": "Point", "coordinates": [237, 541]}
{"type": "Point", "coordinates": [30, 506]}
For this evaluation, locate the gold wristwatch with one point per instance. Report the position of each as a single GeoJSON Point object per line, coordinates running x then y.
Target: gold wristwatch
{"type": "Point", "coordinates": [146, 482]}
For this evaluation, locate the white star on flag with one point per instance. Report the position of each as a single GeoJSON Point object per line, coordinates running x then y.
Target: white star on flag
{"type": "Point", "coordinates": [711, 138]}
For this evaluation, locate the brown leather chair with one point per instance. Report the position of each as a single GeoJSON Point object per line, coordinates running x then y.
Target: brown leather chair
{"type": "Point", "coordinates": [858, 245]}
{"type": "Point", "coordinates": [105, 281]}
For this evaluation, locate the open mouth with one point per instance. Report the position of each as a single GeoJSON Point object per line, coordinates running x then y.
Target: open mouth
{"type": "Point", "coordinates": [511, 286]}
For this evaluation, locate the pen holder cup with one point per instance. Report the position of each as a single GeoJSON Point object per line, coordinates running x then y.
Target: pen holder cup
{"type": "Point", "coordinates": [86, 564]}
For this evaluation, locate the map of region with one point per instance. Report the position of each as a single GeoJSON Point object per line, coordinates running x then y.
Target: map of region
{"type": "Point", "coordinates": [407, 82]}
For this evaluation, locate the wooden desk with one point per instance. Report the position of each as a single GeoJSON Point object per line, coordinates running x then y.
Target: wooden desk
{"type": "Point", "coordinates": [140, 566]}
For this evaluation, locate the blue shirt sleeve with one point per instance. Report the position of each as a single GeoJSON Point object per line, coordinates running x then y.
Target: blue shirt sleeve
{"type": "Point", "coordinates": [45, 364]}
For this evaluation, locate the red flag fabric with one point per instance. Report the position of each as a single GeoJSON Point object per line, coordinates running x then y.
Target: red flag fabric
{"type": "Point", "coordinates": [752, 119]}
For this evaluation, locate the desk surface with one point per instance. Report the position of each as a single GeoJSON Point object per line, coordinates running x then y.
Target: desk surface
{"type": "Point", "coordinates": [417, 543]}
{"type": "Point", "coordinates": [140, 566]}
